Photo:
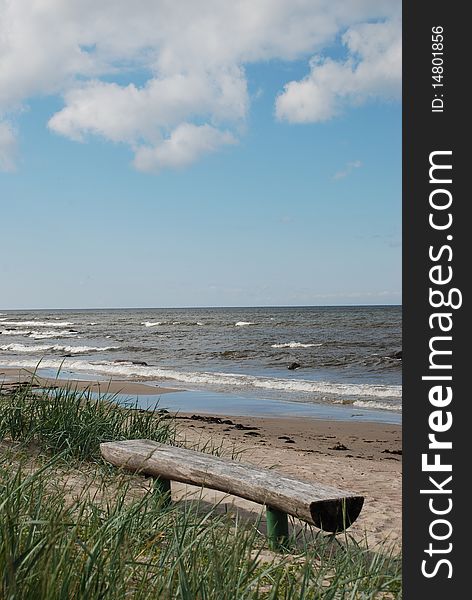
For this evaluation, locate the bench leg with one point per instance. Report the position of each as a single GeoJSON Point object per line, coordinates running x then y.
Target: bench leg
{"type": "Point", "coordinates": [162, 487]}
{"type": "Point", "coordinates": [277, 528]}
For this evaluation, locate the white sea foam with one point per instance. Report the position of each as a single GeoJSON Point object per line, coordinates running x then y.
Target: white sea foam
{"type": "Point", "coordinates": [43, 335]}
{"type": "Point", "coordinates": [39, 348]}
{"type": "Point", "coordinates": [37, 323]}
{"type": "Point", "coordinates": [322, 389]}
{"type": "Point", "coordinates": [374, 405]}
{"type": "Point", "coordinates": [151, 323]}
{"type": "Point", "coordinates": [16, 332]}
{"type": "Point", "coordinates": [243, 323]}
{"type": "Point", "coordinates": [295, 345]}
{"type": "Point", "coordinates": [39, 335]}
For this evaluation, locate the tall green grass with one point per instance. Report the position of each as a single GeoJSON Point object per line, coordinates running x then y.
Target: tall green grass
{"type": "Point", "coordinates": [62, 419]}
{"type": "Point", "coordinates": [51, 549]}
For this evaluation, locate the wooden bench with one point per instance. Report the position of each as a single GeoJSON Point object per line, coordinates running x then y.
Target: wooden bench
{"type": "Point", "coordinates": [326, 507]}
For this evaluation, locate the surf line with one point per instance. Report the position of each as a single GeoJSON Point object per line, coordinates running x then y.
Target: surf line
{"type": "Point", "coordinates": [443, 299]}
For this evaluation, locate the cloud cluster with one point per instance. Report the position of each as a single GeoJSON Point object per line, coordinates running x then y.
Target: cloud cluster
{"type": "Point", "coordinates": [168, 78]}
{"type": "Point", "coordinates": [372, 69]}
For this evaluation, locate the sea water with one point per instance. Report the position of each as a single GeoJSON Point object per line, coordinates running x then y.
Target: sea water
{"type": "Point", "coordinates": [345, 355]}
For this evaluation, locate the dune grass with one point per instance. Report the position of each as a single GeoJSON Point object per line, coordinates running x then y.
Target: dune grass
{"type": "Point", "coordinates": [106, 541]}
{"type": "Point", "coordinates": [62, 419]}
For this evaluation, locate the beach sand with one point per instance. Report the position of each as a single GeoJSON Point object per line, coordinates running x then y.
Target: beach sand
{"type": "Point", "coordinates": [356, 456]}
{"type": "Point", "coordinates": [361, 457]}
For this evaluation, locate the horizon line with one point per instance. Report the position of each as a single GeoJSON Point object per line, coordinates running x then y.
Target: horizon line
{"type": "Point", "coordinates": [206, 307]}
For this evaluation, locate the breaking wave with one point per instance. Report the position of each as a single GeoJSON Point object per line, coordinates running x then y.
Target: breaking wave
{"type": "Point", "coordinates": [39, 348]}
{"type": "Point", "coordinates": [43, 335]}
{"type": "Point", "coordinates": [36, 323]}
{"type": "Point", "coordinates": [155, 323]}
{"type": "Point", "coordinates": [38, 335]}
{"type": "Point", "coordinates": [321, 389]}
{"type": "Point", "coordinates": [16, 332]}
{"type": "Point", "coordinates": [373, 404]}
{"type": "Point", "coordinates": [295, 345]}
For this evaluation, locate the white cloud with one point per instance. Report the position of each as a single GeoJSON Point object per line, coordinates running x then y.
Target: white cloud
{"type": "Point", "coordinates": [134, 72]}
{"type": "Point", "coordinates": [130, 113]}
{"type": "Point", "coordinates": [371, 70]}
{"type": "Point", "coordinates": [8, 147]}
{"type": "Point", "coordinates": [185, 144]}
{"type": "Point", "coordinates": [348, 169]}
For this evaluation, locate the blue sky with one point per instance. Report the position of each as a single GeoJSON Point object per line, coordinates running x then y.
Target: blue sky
{"type": "Point", "coordinates": [279, 205]}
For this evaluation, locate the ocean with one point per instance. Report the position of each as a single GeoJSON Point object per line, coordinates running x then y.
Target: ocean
{"type": "Point", "coordinates": [348, 356]}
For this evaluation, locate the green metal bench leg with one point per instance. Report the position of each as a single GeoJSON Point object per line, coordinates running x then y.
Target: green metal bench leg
{"type": "Point", "coordinates": [162, 487]}
{"type": "Point", "coordinates": [277, 528]}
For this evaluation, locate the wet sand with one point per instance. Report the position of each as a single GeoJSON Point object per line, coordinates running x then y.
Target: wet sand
{"type": "Point", "coordinates": [106, 386]}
